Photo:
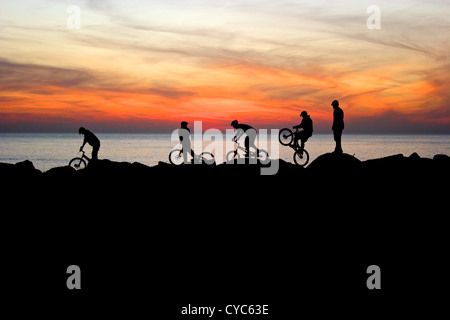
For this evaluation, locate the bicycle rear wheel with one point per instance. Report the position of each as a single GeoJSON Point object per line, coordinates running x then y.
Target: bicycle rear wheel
{"type": "Point", "coordinates": [207, 157]}
{"type": "Point", "coordinates": [176, 157]}
{"type": "Point", "coordinates": [301, 158]}
{"type": "Point", "coordinates": [77, 163]}
{"type": "Point", "coordinates": [285, 136]}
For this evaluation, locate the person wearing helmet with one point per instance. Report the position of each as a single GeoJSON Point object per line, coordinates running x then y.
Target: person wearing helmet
{"type": "Point", "coordinates": [92, 140]}
{"type": "Point", "coordinates": [306, 133]}
{"type": "Point", "coordinates": [250, 136]}
{"type": "Point", "coordinates": [338, 126]}
{"type": "Point", "coordinates": [184, 134]}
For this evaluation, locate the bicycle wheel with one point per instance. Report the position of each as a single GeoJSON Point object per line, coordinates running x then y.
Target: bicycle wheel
{"type": "Point", "coordinates": [233, 155]}
{"type": "Point", "coordinates": [207, 157]}
{"type": "Point", "coordinates": [301, 158]}
{"type": "Point", "coordinates": [285, 136]}
{"type": "Point", "coordinates": [77, 163]}
{"type": "Point", "coordinates": [263, 156]}
{"type": "Point", "coordinates": [176, 157]}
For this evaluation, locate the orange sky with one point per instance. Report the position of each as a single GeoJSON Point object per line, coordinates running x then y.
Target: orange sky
{"type": "Point", "coordinates": [145, 66]}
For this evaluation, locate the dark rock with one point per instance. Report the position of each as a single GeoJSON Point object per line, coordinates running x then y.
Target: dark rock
{"type": "Point", "coordinates": [381, 163]}
{"type": "Point", "coordinates": [442, 158]}
{"type": "Point", "coordinates": [414, 156]}
{"type": "Point", "coordinates": [6, 167]}
{"type": "Point", "coordinates": [65, 172]}
{"type": "Point", "coordinates": [326, 167]}
{"type": "Point", "coordinates": [332, 162]}
{"type": "Point", "coordinates": [25, 167]}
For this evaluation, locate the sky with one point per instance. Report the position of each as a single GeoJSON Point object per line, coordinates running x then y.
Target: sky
{"type": "Point", "coordinates": [147, 65]}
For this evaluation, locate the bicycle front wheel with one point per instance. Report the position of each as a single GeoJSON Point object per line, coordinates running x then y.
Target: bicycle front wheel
{"type": "Point", "coordinates": [232, 155]}
{"type": "Point", "coordinates": [207, 157]}
{"type": "Point", "coordinates": [77, 163]}
{"type": "Point", "coordinates": [301, 158]}
{"type": "Point", "coordinates": [285, 136]}
{"type": "Point", "coordinates": [263, 156]}
{"type": "Point", "coordinates": [176, 157]}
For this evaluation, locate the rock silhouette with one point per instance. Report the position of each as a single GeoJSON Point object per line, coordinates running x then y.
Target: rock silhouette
{"type": "Point", "coordinates": [327, 164]}
{"type": "Point", "coordinates": [301, 228]}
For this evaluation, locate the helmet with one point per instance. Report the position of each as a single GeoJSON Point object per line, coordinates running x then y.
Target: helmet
{"type": "Point", "coordinates": [184, 123]}
{"type": "Point", "coordinates": [81, 130]}
{"type": "Point", "coordinates": [335, 103]}
{"type": "Point", "coordinates": [234, 123]}
{"type": "Point", "coordinates": [303, 114]}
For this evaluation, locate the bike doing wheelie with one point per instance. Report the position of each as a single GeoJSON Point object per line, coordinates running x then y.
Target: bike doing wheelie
{"type": "Point", "coordinates": [289, 138]}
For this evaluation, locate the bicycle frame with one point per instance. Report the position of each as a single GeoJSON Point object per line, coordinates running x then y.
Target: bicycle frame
{"type": "Point", "coordinates": [238, 147]}
{"type": "Point", "coordinates": [83, 156]}
{"type": "Point", "coordinates": [190, 155]}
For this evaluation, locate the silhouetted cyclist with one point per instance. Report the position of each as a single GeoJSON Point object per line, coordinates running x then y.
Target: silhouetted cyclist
{"type": "Point", "coordinates": [250, 136]}
{"type": "Point", "coordinates": [306, 133]}
{"type": "Point", "coordinates": [92, 140]}
{"type": "Point", "coordinates": [184, 134]}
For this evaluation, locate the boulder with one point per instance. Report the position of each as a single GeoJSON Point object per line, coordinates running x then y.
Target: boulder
{"type": "Point", "coordinates": [414, 156]}
{"type": "Point", "coordinates": [25, 167]}
{"type": "Point", "coordinates": [65, 172]}
{"type": "Point", "coordinates": [442, 159]}
{"type": "Point", "coordinates": [332, 162]}
{"type": "Point", "coordinates": [393, 161]}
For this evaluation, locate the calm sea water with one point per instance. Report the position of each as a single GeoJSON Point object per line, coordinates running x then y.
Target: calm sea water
{"type": "Point", "coordinates": [52, 150]}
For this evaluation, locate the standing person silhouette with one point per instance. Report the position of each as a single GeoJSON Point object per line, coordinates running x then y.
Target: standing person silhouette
{"type": "Point", "coordinates": [184, 134]}
{"type": "Point", "coordinates": [338, 126]}
{"type": "Point", "coordinates": [250, 136]}
{"type": "Point", "coordinates": [92, 140]}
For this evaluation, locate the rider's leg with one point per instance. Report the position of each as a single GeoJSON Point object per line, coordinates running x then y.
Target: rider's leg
{"type": "Point", "coordinates": [186, 151]}
{"type": "Point", "coordinates": [193, 156]}
{"type": "Point", "coordinates": [294, 143]}
{"type": "Point", "coordinates": [95, 153]}
{"type": "Point", "coordinates": [253, 145]}
{"type": "Point", "coordinates": [247, 147]}
{"type": "Point", "coordinates": [251, 134]}
{"type": "Point", "coordinates": [302, 146]}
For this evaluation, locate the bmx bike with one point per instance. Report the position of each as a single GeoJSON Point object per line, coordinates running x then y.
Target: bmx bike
{"type": "Point", "coordinates": [176, 157]}
{"type": "Point", "coordinates": [235, 154]}
{"type": "Point", "coordinates": [79, 163]}
{"type": "Point", "coordinates": [286, 137]}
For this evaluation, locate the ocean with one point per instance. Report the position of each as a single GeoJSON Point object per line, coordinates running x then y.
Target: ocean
{"type": "Point", "coordinates": [49, 150]}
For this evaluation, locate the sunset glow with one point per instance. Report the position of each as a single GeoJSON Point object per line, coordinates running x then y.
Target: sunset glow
{"type": "Point", "coordinates": [143, 66]}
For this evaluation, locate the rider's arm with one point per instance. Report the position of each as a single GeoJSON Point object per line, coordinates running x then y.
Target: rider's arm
{"type": "Point", "coordinates": [239, 133]}
{"type": "Point", "coordinates": [82, 146]}
{"type": "Point", "coordinates": [298, 126]}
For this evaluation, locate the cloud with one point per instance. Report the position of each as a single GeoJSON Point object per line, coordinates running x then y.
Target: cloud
{"type": "Point", "coordinates": [170, 93]}
{"type": "Point", "coordinates": [26, 76]}
{"type": "Point", "coordinates": [393, 122]}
